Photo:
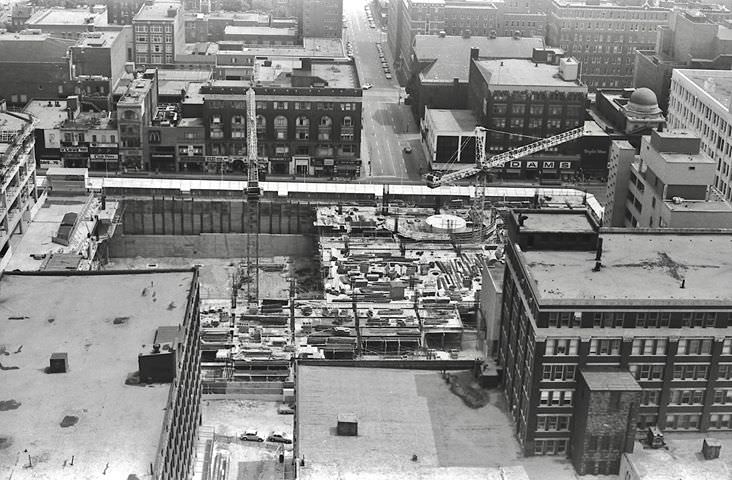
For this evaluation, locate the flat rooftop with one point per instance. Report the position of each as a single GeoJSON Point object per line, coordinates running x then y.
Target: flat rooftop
{"type": "Point", "coordinates": [400, 413]}
{"type": "Point", "coordinates": [108, 422]}
{"type": "Point", "coordinates": [556, 221]}
{"type": "Point", "coordinates": [157, 12]}
{"type": "Point", "coordinates": [258, 31]}
{"type": "Point", "coordinates": [66, 16]}
{"type": "Point", "coordinates": [452, 53]}
{"type": "Point", "coordinates": [680, 461]}
{"type": "Point", "coordinates": [98, 39]}
{"type": "Point", "coordinates": [638, 267]}
{"type": "Point", "coordinates": [520, 72]}
{"type": "Point", "coordinates": [11, 122]}
{"type": "Point", "coordinates": [462, 121]}
{"type": "Point", "coordinates": [722, 91]}
{"type": "Point", "coordinates": [47, 116]}
{"type": "Point", "coordinates": [610, 380]}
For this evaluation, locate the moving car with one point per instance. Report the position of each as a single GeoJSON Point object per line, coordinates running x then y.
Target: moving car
{"type": "Point", "coordinates": [251, 436]}
{"type": "Point", "coordinates": [279, 437]}
{"type": "Point", "coordinates": [366, 86]}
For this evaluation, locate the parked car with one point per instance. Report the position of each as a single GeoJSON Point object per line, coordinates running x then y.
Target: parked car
{"type": "Point", "coordinates": [279, 437]}
{"type": "Point", "coordinates": [408, 149]}
{"type": "Point", "coordinates": [366, 86]}
{"type": "Point", "coordinates": [453, 353]}
{"type": "Point", "coordinates": [286, 410]}
{"type": "Point", "coordinates": [251, 436]}
{"type": "Point", "coordinates": [388, 76]}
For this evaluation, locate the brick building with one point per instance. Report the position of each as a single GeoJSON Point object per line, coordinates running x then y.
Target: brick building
{"type": "Point", "coordinates": [159, 33]}
{"type": "Point", "coordinates": [68, 22]}
{"type": "Point", "coordinates": [520, 100]}
{"type": "Point", "coordinates": [308, 123]}
{"type": "Point", "coordinates": [136, 107]}
{"type": "Point", "coordinates": [575, 302]}
{"type": "Point", "coordinates": [121, 12]}
{"type": "Point", "coordinates": [603, 37]}
{"type": "Point", "coordinates": [33, 66]}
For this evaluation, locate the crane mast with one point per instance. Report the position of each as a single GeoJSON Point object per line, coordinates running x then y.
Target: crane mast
{"type": "Point", "coordinates": [252, 195]}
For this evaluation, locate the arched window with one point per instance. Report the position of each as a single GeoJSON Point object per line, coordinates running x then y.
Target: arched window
{"type": "Point", "coordinates": [347, 121]}
{"type": "Point", "coordinates": [238, 126]}
{"type": "Point", "coordinates": [261, 125]}
{"type": "Point", "coordinates": [129, 115]}
{"type": "Point", "coordinates": [280, 126]}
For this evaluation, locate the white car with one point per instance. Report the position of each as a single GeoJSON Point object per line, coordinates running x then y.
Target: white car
{"type": "Point", "coordinates": [366, 86]}
{"type": "Point", "coordinates": [251, 436]}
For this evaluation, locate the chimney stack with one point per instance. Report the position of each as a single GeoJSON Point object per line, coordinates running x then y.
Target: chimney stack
{"type": "Point", "coordinates": [474, 53]}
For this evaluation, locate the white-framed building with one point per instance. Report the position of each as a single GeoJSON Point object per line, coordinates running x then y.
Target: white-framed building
{"type": "Point", "coordinates": [700, 101]}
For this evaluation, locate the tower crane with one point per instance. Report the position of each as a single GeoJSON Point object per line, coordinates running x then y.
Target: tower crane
{"type": "Point", "coordinates": [484, 164]}
{"type": "Point", "coordinates": [252, 193]}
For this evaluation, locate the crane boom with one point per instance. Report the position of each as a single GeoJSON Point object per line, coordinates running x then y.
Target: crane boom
{"type": "Point", "coordinates": [484, 164]}
{"type": "Point", "coordinates": [252, 194]}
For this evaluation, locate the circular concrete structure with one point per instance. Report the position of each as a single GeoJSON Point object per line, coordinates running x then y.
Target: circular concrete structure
{"type": "Point", "coordinates": [446, 223]}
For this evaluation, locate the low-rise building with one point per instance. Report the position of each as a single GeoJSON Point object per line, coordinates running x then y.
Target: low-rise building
{"type": "Point", "coordinates": [48, 115]}
{"type": "Point", "coordinates": [627, 114]}
{"type": "Point", "coordinates": [261, 35]}
{"type": "Point", "coordinates": [68, 22]}
{"type": "Point", "coordinates": [146, 383]}
{"type": "Point", "coordinates": [89, 139]}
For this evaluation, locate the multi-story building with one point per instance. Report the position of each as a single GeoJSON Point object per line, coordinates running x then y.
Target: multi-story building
{"type": "Point", "coordinates": [261, 35]}
{"type": "Point", "coordinates": [691, 40]}
{"type": "Point", "coordinates": [152, 368]}
{"type": "Point", "coordinates": [468, 18]}
{"type": "Point", "coordinates": [523, 23]}
{"type": "Point", "coordinates": [48, 115]}
{"type": "Point", "coordinates": [519, 100]}
{"type": "Point", "coordinates": [17, 177]}
{"type": "Point", "coordinates": [321, 18]}
{"type": "Point", "coordinates": [98, 62]}
{"type": "Point", "coordinates": [68, 22]}
{"type": "Point", "coordinates": [209, 27]}
{"type": "Point", "coordinates": [159, 33]}
{"type": "Point", "coordinates": [604, 36]}
{"type": "Point", "coordinates": [603, 335]}
{"type": "Point", "coordinates": [667, 185]}
{"type": "Point", "coordinates": [135, 110]}
{"type": "Point", "coordinates": [410, 18]}
{"type": "Point", "coordinates": [438, 66]}
{"type": "Point", "coordinates": [308, 122]}
{"type": "Point", "coordinates": [121, 12]}
{"type": "Point", "coordinates": [89, 139]}
{"type": "Point", "coordinates": [33, 66]}
{"type": "Point", "coordinates": [700, 102]}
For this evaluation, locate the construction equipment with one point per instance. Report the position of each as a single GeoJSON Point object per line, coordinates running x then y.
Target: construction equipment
{"type": "Point", "coordinates": [484, 165]}
{"type": "Point", "coordinates": [252, 194]}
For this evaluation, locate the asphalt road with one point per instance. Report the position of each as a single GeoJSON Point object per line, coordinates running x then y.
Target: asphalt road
{"type": "Point", "coordinates": [388, 125]}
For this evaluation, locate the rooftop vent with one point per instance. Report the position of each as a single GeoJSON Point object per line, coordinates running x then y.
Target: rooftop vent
{"type": "Point", "coordinates": [59, 363]}
{"type": "Point", "coordinates": [347, 425]}
{"type": "Point", "coordinates": [517, 34]}
{"type": "Point", "coordinates": [711, 448]}
{"type": "Point", "coordinates": [492, 34]}
{"type": "Point", "coordinates": [442, 34]}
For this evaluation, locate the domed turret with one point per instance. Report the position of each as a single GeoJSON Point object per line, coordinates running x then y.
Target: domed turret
{"type": "Point", "coordinates": [643, 102]}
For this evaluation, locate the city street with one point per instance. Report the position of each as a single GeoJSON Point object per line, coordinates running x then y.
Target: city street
{"type": "Point", "coordinates": [388, 125]}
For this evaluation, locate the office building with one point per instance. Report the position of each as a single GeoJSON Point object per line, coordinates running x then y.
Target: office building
{"type": "Point", "coordinates": [17, 177]}
{"type": "Point", "coordinates": [691, 40]}
{"type": "Point", "coordinates": [321, 18]}
{"type": "Point", "coordinates": [120, 392]}
{"type": "Point", "coordinates": [603, 335]}
{"type": "Point", "coordinates": [700, 101]}
{"type": "Point", "coordinates": [603, 37]}
{"type": "Point", "coordinates": [159, 33]}
{"type": "Point", "coordinates": [668, 185]}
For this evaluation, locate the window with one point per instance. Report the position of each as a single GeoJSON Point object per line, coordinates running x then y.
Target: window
{"type": "Point", "coordinates": [279, 105]}
{"type": "Point", "coordinates": [555, 398]}
{"type": "Point", "coordinates": [261, 125]}
{"type": "Point", "coordinates": [552, 422]}
{"type": "Point", "coordinates": [646, 371]}
{"type": "Point", "coordinates": [347, 121]}
{"type": "Point", "coordinates": [325, 125]}
{"type": "Point", "coordinates": [141, 39]}
{"type": "Point", "coordinates": [649, 346]}
{"type": "Point", "coordinates": [650, 397]}
{"type": "Point", "coordinates": [558, 372]}
{"type": "Point", "coordinates": [695, 346]}
{"type": "Point", "coordinates": [561, 346]}
{"type": "Point", "coordinates": [609, 346]}
{"type": "Point", "coordinates": [169, 39]}
{"type": "Point", "coordinates": [280, 127]}
{"type": "Point", "coordinates": [140, 28]}
{"type": "Point", "coordinates": [690, 371]}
